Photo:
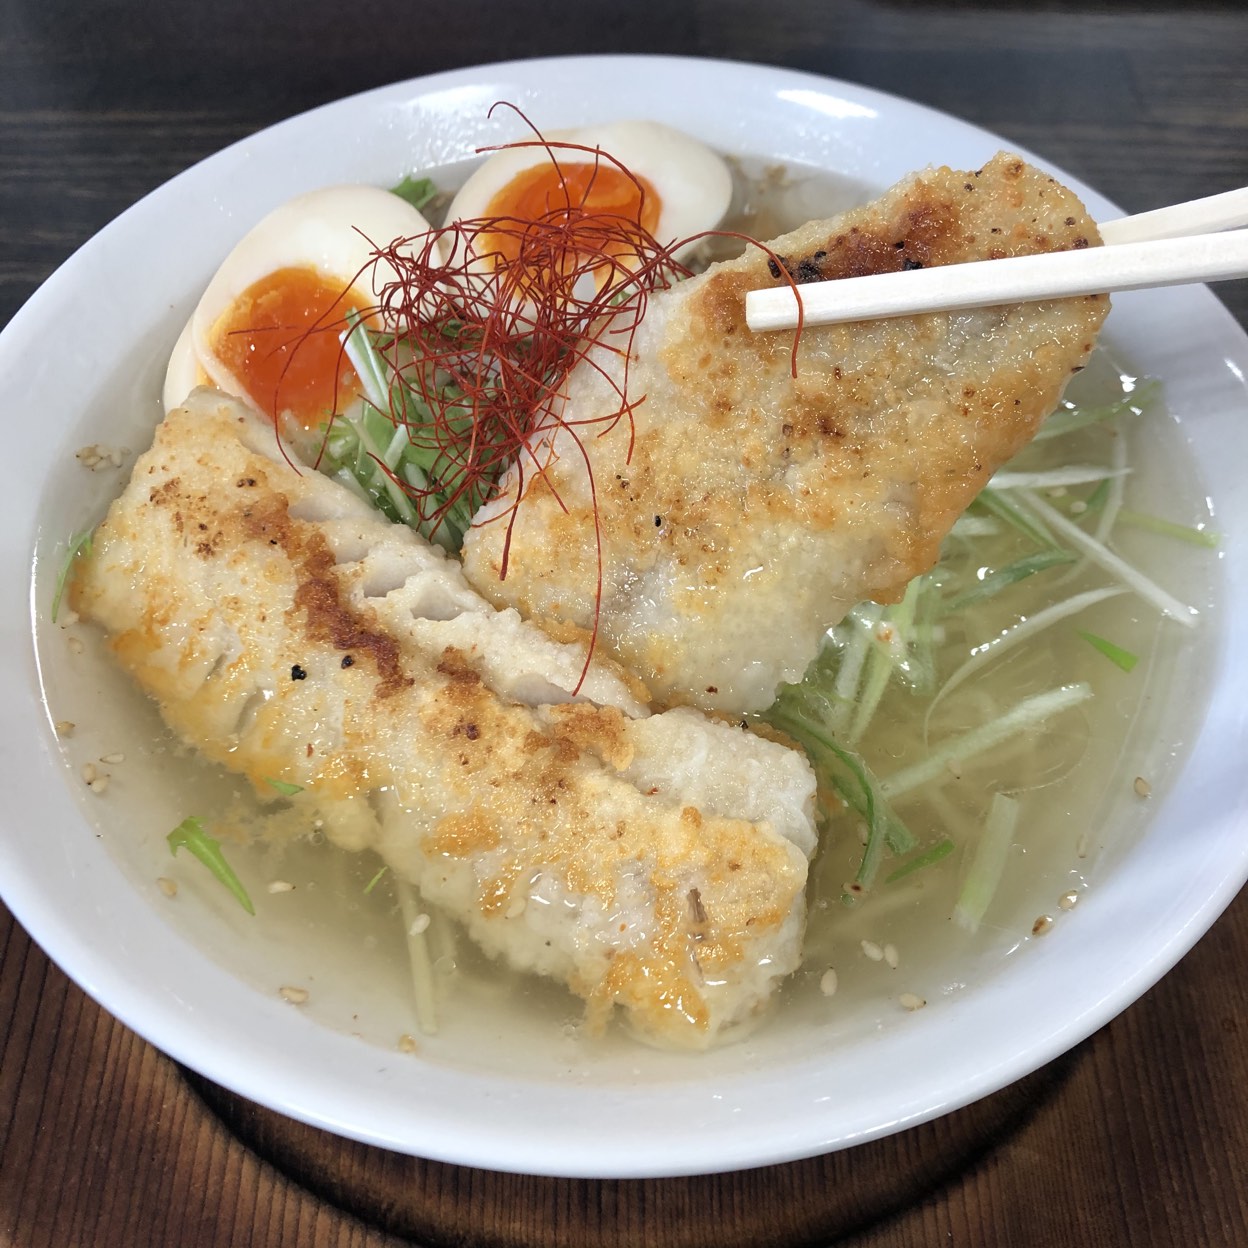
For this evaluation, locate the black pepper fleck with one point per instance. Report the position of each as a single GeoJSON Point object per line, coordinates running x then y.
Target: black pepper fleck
{"type": "Point", "coordinates": [347, 660]}
{"type": "Point", "coordinates": [807, 271]}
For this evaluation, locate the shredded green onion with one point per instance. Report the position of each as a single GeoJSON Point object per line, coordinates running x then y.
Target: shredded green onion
{"type": "Point", "coordinates": [79, 545]}
{"type": "Point", "coordinates": [418, 957]}
{"type": "Point", "coordinates": [1099, 496]}
{"type": "Point", "coordinates": [890, 656]}
{"type": "Point", "coordinates": [928, 858]}
{"type": "Point", "coordinates": [987, 864]}
{"type": "Point", "coordinates": [372, 884]}
{"type": "Point", "coordinates": [1116, 654]}
{"type": "Point", "coordinates": [970, 526]}
{"type": "Point", "coordinates": [370, 449]}
{"type": "Point", "coordinates": [1167, 528]}
{"type": "Point", "coordinates": [1115, 490]}
{"type": "Point", "coordinates": [799, 714]}
{"type": "Point", "coordinates": [1055, 478]}
{"type": "Point", "coordinates": [849, 673]}
{"type": "Point", "coordinates": [875, 648]}
{"type": "Point", "coordinates": [1069, 418]}
{"type": "Point", "coordinates": [1033, 624]}
{"type": "Point", "coordinates": [1004, 508]}
{"type": "Point", "coordinates": [994, 582]}
{"type": "Point", "coordinates": [1100, 554]}
{"type": "Point", "coordinates": [284, 787]}
{"type": "Point", "coordinates": [190, 835]}
{"type": "Point", "coordinates": [417, 191]}
{"type": "Point", "coordinates": [1026, 714]}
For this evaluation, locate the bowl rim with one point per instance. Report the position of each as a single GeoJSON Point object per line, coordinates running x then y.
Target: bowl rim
{"type": "Point", "coordinates": [758, 1118]}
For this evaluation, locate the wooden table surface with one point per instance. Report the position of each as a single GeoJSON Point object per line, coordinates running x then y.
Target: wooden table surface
{"type": "Point", "coordinates": [1140, 1136]}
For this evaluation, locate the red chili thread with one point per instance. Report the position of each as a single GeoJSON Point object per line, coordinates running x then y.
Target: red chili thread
{"type": "Point", "coordinates": [579, 283]}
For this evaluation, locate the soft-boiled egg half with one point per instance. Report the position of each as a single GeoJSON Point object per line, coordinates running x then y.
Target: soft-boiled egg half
{"type": "Point", "coordinates": [678, 187]}
{"type": "Point", "coordinates": [267, 329]}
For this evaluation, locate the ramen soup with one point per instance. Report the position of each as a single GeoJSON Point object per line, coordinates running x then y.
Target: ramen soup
{"type": "Point", "coordinates": [983, 748]}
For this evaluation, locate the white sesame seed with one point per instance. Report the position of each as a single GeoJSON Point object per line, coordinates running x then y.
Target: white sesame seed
{"type": "Point", "coordinates": [96, 456]}
{"type": "Point", "coordinates": [873, 951]}
{"type": "Point", "coordinates": [1078, 507]}
{"type": "Point", "coordinates": [891, 956]}
{"type": "Point", "coordinates": [89, 772]}
{"type": "Point", "coordinates": [99, 785]}
{"type": "Point", "coordinates": [910, 1002]}
{"type": "Point", "coordinates": [407, 1044]}
{"type": "Point", "coordinates": [1042, 925]}
{"type": "Point", "coordinates": [74, 644]}
{"type": "Point", "coordinates": [67, 618]}
{"type": "Point", "coordinates": [954, 768]}
{"type": "Point", "coordinates": [112, 758]}
{"type": "Point", "coordinates": [65, 727]}
{"type": "Point", "coordinates": [1142, 787]}
{"type": "Point", "coordinates": [1067, 900]}
{"type": "Point", "coordinates": [296, 996]}
{"type": "Point", "coordinates": [419, 924]}
{"type": "Point", "coordinates": [279, 886]}
{"type": "Point", "coordinates": [167, 886]}
{"type": "Point", "coordinates": [517, 907]}
{"type": "Point", "coordinates": [827, 985]}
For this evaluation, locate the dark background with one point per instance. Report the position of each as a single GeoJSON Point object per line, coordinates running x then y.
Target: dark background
{"type": "Point", "coordinates": [101, 102]}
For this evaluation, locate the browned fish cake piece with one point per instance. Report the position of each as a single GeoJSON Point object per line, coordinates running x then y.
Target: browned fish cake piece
{"type": "Point", "coordinates": [746, 510]}
{"type": "Point", "coordinates": [291, 633]}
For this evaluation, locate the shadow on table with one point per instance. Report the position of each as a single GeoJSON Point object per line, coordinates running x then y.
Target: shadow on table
{"type": "Point", "coordinates": [815, 1201]}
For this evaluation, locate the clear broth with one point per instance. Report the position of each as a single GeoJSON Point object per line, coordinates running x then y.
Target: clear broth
{"type": "Point", "coordinates": [344, 941]}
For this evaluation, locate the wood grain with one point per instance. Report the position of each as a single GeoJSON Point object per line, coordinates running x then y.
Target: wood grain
{"type": "Point", "coordinates": [1139, 1137]}
{"type": "Point", "coordinates": [831, 1195]}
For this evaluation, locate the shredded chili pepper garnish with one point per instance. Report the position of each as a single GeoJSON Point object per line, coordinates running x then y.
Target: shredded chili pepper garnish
{"type": "Point", "coordinates": [477, 347]}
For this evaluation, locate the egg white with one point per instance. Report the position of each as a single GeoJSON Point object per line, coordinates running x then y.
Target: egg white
{"type": "Point", "coordinates": [184, 372]}
{"type": "Point", "coordinates": [333, 231]}
{"type": "Point", "coordinates": [693, 184]}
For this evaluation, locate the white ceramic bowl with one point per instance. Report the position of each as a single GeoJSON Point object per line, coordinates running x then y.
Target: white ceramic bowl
{"type": "Point", "coordinates": [82, 363]}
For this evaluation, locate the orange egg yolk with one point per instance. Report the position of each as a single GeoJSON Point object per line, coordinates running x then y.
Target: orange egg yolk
{"type": "Point", "coordinates": [279, 339]}
{"type": "Point", "coordinates": [545, 192]}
